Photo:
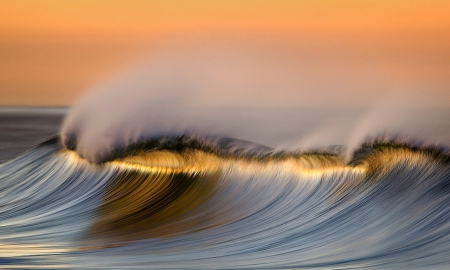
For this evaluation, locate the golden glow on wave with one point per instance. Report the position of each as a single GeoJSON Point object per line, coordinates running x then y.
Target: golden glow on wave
{"type": "Point", "coordinates": [382, 160]}
{"type": "Point", "coordinates": [150, 195]}
{"type": "Point", "coordinates": [191, 163]}
{"type": "Point", "coordinates": [156, 194]}
{"type": "Point", "coordinates": [198, 162]}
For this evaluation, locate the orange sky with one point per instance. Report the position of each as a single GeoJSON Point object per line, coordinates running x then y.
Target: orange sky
{"type": "Point", "coordinates": [51, 51]}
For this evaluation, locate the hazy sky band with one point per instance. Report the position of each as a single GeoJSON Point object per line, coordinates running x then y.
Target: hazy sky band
{"type": "Point", "coordinates": [52, 51]}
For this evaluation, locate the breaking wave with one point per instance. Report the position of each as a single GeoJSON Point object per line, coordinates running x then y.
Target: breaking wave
{"type": "Point", "coordinates": [166, 167]}
{"type": "Point", "coordinates": [183, 203]}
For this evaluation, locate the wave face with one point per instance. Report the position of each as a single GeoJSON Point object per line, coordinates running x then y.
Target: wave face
{"type": "Point", "coordinates": [182, 203]}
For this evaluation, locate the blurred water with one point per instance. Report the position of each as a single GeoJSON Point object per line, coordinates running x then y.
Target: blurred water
{"type": "Point", "coordinates": [170, 209]}
{"type": "Point", "coordinates": [173, 209]}
{"type": "Point", "coordinates": [22, 128]}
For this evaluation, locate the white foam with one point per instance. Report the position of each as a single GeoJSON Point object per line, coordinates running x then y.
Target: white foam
{"type": "Point", "coordinates": [278, 96]}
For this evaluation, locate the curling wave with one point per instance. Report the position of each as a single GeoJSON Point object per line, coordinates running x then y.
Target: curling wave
{"type": "Point", "coordinates": [184, 203]}
{"type": "Point", "coordinates": [145, 173]}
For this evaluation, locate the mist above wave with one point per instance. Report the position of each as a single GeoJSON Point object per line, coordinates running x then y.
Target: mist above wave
{"type": "Point", "coordinates": [282, 97]}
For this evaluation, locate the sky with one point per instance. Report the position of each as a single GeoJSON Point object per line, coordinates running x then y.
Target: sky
{"type": "Point", "coordinates": [52, 51]}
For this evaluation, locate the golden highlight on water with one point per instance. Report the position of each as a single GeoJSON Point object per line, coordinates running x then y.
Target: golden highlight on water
{"type": "Point", "coordinates": [167, 206]}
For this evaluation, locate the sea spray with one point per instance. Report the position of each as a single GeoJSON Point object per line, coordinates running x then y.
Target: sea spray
{"type": "Point", "coordinates": [267, 95]}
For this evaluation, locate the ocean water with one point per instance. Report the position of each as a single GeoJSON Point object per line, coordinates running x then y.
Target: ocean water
{"type": "Point", "coordinates": [23, 128]}
{"type": "Point", "coordinates": [215, 202]}
{"type": "Point", "coordinates": [229, 157]}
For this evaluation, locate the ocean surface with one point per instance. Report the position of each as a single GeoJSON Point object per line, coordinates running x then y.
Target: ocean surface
{"type": "Point", "coordinates": [181, 201]}
{"type": "Point", "coordinates": [22, 128]}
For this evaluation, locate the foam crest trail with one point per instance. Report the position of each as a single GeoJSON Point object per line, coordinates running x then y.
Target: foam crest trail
{"type": "Point", "coordinates": [254, 93]}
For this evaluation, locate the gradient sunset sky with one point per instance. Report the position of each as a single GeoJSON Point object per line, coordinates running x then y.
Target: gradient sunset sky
{"type": "Point", "coordinates": [52, 51]}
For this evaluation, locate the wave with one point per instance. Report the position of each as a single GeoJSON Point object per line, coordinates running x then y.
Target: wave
{"type": "Point", "coordinates": [203, 159]}
{"type": "Point", "coordinates": [263, 94]}
{"type": "Point", "coordinates": [183, 203]}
